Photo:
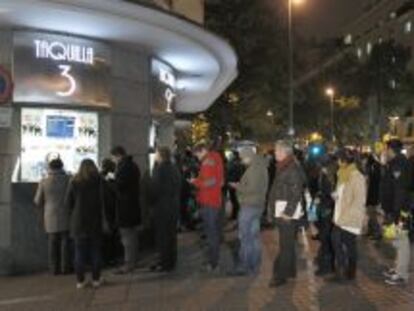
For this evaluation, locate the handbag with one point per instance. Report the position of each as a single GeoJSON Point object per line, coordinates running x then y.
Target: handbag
{"type": "Point", "coordinates": [280, 207]}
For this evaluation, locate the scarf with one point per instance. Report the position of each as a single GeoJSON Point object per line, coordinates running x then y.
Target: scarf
{"type": "Point", "coordinates": [285, 163]}
{"type": "Point", "coordinates": [344, 173]}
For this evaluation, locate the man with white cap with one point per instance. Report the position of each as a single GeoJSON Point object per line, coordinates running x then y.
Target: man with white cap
{"type": "Point", "coordinates": [251, 190]}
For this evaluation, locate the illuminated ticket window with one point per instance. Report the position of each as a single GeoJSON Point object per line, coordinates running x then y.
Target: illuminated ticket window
{"type": "Point", "coordinates": [49, 133]}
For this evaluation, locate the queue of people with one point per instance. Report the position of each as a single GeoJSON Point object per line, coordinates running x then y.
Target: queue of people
{"type": "Point", "coordinates": [97, 215]}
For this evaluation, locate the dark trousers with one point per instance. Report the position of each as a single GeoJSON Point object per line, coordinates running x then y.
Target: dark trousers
{"type": "Point", "coordinates": [58, 252]}
{"type": "Point", "coordinates": [235, 203]}
{"type": "Point", "coordinates": [374, 228]}
{"type": "Point", "coordinates": [325, 257]}
{"type": "Point", "coordinates": [285, 263]}
{"type": "Point", "coordinates": [346, 255]}
{"type": "Point", "coordinates": [166, 232]}
{"type": "Point", "coordinates": [212, 230]}
{"type": "Point", "coordinates": [88, 250]}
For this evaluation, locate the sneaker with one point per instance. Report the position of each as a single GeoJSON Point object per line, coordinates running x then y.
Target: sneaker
{"type": "Point", "coordinates": [81, 285]}
{"type": "Point", "coordinates": [99, 283]}
{"type": "Point", "coordinates": [396, 280]}
{"type": "Point", "coordinates": [390, 273]}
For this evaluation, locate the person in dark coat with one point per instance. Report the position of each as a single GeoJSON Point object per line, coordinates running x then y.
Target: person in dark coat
{"type": "Point", "coordinates": [112, 247]}
{"type": "Point", "coordinates": [165, 187]}
{"type": "Point", "coordinates": [50, 199]}
{"type": "Point", "coordinates": [127, 185]}
{"type": "Point", "coordinates": [373, 174]}
{"type": "Point", "coordinates": [396, 182]}
{"type": "Point", "coordinates": [235, 171]}
{"type": "Point", "coordinates": [86, 202]}
{"type": "Point", "coordinates": [287, 190]}
{"type": "Point", "coordinates": [326, 186]}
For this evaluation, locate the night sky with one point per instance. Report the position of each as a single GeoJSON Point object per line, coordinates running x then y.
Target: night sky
{"type": "Point", "coordinates": [326, 18]}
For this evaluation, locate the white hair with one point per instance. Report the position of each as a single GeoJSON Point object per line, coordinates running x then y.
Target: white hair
{"type": "Point", "coordinates": [285, 146]}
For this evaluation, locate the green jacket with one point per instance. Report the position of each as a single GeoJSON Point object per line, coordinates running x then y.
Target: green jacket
{"type": "Point", "coordinates": [253, 184]}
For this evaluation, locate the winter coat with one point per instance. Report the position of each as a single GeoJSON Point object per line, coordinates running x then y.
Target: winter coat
{"type": "Point", "coordinates": [235, 170]}
{"type": "Point", "coordinates": [210, 181]}
{"type": "Point", "coordinates": [373, 171]}
{"type": "Point", "coordinates": [50, 197]}
{"type": "Point", "coordinates": [166, 190]}
{"type": "Point", "coordinates": [350, 203]}
{"type": "Point", "coordinates": [86, 201]}
{"type": "Point", "coordinates": [395, 187]}
{"type": "Point", "coordinates": [127, 184]}
{"type": "Point", "coordinates": [252, 188]}
{"type": "Point", "coordinates": [288, 186]}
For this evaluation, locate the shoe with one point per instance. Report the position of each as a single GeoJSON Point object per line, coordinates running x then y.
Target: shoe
{"type": "Point", "coordinates": [81, 285]}
{"type": "Point", "coordinates": [277, 283]}
{"type": "Point", "coordinates": [390, 273]}
{"type": "Point", "coordinates": [99, 283]}
{"type": "Point", "coordinates": [396, 280]}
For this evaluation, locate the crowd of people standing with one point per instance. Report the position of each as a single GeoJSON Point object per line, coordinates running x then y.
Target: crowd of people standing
{"type": "Point", "coordinates": [95, 216]}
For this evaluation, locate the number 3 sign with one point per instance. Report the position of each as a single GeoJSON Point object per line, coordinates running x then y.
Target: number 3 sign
{"type": "Point", "coordinates": [65, 72]}
{"type": "Point", "coordinates": [6, 85]}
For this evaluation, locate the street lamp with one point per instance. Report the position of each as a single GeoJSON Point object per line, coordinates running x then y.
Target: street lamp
{"type": "Point", "coordinates": [291, 90]}
{"type": "Point", "coordinates": [330, 92]}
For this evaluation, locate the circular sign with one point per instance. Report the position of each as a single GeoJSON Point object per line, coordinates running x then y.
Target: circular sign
{"type": "Point", "coordinates": [6, 85]}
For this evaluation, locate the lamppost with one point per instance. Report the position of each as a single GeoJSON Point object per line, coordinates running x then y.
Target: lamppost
{"type": "Point", "coordinates": [291, 130]}
{"type": "Point", "coordinates": [330, 92]}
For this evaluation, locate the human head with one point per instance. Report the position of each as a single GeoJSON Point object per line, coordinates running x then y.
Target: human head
{"type": "Point", "coordinates": [163, 154]}
{"type": "Point", "coordinates": [346, 157]}
{"type": "Point", "coordinates": [118, 153]}
{"type": "Point", "coordinates": [108, 166]}
{"type": "Point", "coordinates": [56, 165]}
{"type": "Point", "coordinates": [283, 150]}
{"type": "Point", "coordinates": [247, 155]}
{"type": "Point", "coordinates": [200, 151]}
{"type": "Point", "coordinates": [87, 170]}
{"type": "Point", "coordinates": [394, 148]}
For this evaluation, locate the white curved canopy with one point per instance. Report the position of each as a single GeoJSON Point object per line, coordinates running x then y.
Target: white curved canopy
{"type": "Point", "coordinates": [206, 63]}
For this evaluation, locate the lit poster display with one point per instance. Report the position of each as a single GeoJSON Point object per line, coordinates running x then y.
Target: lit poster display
{"type": "Point", "coordinates": [48, 133]}
{"type": "Point", "coordinates": [164, 88]}
{"type": "Point", "coordinates": [60, 70]}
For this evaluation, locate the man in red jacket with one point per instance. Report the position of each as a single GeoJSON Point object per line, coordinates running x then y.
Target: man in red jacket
{"type": "Point", "coordinates": [209, 185]}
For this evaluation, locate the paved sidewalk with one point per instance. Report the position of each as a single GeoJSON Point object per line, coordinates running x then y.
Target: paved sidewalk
{"type": "Point", "coordinates": [189, 289]}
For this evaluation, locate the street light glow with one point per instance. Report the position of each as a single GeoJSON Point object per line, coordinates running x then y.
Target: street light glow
{"type": "Point", "coordinates": [298, 2]}
{"type": "Point", "coordinates": [330, 91]}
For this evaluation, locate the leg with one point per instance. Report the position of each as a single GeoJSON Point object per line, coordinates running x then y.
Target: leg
{"type": "Point", "coordinates": [211, 222]}
{"type": "Point", "coordinates": [285, 263]}
{"type": "Point", "coordinates": [325, 253]}
{"type": "Point", "coordinates": [96, 258]}
{"type": "Point", "coordinates": [351, 254]}
{"type": "Point", "coordinates": [81, 252]}
{"type": "Point", "coordinates": [256, 248]}
{"type": "Point", "coordinates": [53, 250]}
{"type": "Point", "coordinates": [403, 256]}
{"type": "Point", "coordinates": [129, 238]}
{"type": "Point", "coordinates": [339, 251]}
{"type": "Point", "coordinates": [64, 252]}
{"type": "Point", "coordinates": [244, 238]}
{"type": "Point", "coordinates": [234, 202]}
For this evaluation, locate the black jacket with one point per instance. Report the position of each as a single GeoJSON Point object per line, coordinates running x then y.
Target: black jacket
{"type": "Point", "coordinates": [127, 184]}
{"type": "Point", "coordinates": [373, 171]}
{"type": "Point", "coordinates": [166, 191]}
{"type": "Point", "coordinates": [395, 187]}
{"type": "Point", "coordinates": [86, 202]}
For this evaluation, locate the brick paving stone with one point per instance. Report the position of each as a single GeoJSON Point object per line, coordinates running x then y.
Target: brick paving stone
{"type": "Point", "coordinates": [189, 289]}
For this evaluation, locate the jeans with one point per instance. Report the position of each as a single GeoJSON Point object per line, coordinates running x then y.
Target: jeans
{"type": "Point", "coordinates": [402, 262]}
{"type": "Point", "coordinates": [346, 255]}
{"type": "Point", "coordinates": [88, 250]}
{"type": "Point", "coordinates": [58, 246]}
{"type": "Point", "coordinates": [250, 253]}
{"type": "Point", "coordinates": [284, 266]}
{"type": "Point", "coordinates": [212, 230]}
{"type": "Point", "coordinates": [129, 239]}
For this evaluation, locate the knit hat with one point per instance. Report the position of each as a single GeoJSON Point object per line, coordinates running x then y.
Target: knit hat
{"type": "Point", "coordinates": [247, 153]}
{"type": "Point", "coordinates": [395, 145]}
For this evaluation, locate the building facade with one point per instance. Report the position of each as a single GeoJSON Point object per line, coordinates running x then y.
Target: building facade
{"type": "Point", "coordinates": [93, 74]}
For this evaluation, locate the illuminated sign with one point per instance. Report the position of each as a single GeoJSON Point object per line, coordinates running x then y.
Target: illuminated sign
{"type": "Point", "coordinates": [6, 85]}
{"type": "Point", "coordinates": [54, 69]}
{"type": "Point", "coordinates": [164, 88]}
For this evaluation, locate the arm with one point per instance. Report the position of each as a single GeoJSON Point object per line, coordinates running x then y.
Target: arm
{"type": "Point", "coordinates": [39, 199]}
